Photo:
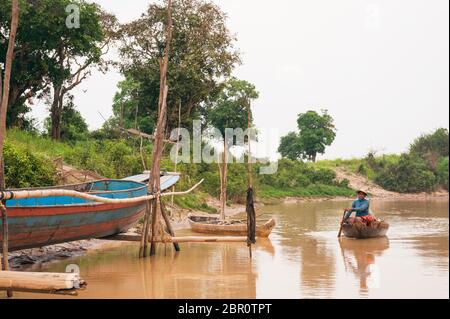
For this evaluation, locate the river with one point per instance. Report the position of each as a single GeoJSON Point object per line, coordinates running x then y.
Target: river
{"type": "Point", "coordinates": [302, 259]}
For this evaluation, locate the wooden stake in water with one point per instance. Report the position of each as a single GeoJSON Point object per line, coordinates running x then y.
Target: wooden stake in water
{"type": "Point", "coordinates": [5, 249]}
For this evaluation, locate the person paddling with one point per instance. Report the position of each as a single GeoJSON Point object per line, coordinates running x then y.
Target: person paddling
{"type": "Point", "coordinates": [361, 207]}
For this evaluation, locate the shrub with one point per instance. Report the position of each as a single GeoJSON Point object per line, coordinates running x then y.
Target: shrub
{"type": "Point", "coordinates": [442, 172]}
{"type": "Point", "coordinates": [411, 174]}
{"type": "Point", "coordinates": [24, 169]}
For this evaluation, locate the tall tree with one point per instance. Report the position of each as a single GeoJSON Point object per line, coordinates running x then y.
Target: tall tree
{"type": "Point", "coordinates": [49, 54]}
{"type": "Point", "coordinates": [4, 96]}
{"type": "Point", "coordinates": [5, 84]}
{"type": "Point", "coordinates": [202, 54]}
{"type": "Point", "coordinates": [78, 50]}
{"type": "Point", "coordinates": [316, 132]}
{"type": "Point", "coordinates": [230, 110]}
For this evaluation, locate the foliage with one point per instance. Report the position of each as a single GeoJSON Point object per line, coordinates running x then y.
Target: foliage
{"type": "Point", "coordinates": [46, 49]}
{"type": "Point", "coordinates": [410, 175]}
{"type": "Point", "coordinates": [202, 54]}
{"type": "Point", "coordinates": [231, 108]}
{"type": "Point", "coordinates": [24, 169]}
{"type": "Point", "coordinates": [442, 172]}
{"type": "Point", "coordinates": [109, 158]}
{"type": "Point", "coordinates": [290, 147]}
{"type": "Point", "coordinates": [431, 147]}
{"type": "Point", "coordinates": [73, 125]}
{"type": "Point", "coordinates": [315, 133]}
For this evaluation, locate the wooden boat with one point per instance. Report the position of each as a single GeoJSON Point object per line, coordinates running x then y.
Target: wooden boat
{"type": "Point", "coordinates": [38, 222]}
{"type": "Point", "coordinates": [213, 225]}
{"type": "Point", "coordinates": [363, 231]}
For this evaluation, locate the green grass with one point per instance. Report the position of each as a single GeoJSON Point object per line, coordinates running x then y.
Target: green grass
{"type": "Point", "coordinates": [196, 201]}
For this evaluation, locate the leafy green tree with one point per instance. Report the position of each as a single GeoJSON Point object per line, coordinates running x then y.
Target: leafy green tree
{"type": "Point", "coordinates": [230, 110]}
{"type": "Point", "coordinates": [290, 147]}
{"type": "Point", "coordinates": [432, 147]}
{"type": "Point", "coordinates": [52, 59]}
{"type": "Point", "coordinates": [317, 131]}
{"type": "Point", "coordinates": [73, 125]}
{"type": "Point", "coordinates": [77, 51]}
{"type": "Point", "coordinates": [202, 54]}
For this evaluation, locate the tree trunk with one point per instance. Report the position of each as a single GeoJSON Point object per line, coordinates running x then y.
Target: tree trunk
{"type": "Point", "coordinates": [223, 182]}
{"type": "Point", "coordinates": [154, 186]}
{"type": "Point", "coordinates": [5, 85]}
{"type": "Point", "coordinates": [3, 111]}
{"type": "Point", "coordinates": [56, 112]}
{"type": "Point", "coordinates": [314, 157]}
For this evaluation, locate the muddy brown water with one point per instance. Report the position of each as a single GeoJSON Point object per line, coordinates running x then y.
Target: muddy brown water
{"type": "Point", "coordinates": [302, 259]}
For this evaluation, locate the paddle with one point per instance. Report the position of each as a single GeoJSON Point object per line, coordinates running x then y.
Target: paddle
{"type": "Point", "coordinates": [342, 224]}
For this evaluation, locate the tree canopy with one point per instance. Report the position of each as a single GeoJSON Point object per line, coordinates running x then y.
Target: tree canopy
{"type": "Point", "coordinates": [230, 109]}
{"type": "Point", "coordinates": [202, 54]}
{"type": "Point", "coordinates": [316, 132]}
{"type": "Point", "coordinates": [49, 55]}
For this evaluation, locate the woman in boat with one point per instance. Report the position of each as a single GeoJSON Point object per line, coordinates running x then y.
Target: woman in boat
{"type": "Point", "coordinates": [361, 207]}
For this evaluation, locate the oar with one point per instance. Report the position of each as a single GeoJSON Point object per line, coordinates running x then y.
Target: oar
{"type": "Point", "coordinates": [342, 224]}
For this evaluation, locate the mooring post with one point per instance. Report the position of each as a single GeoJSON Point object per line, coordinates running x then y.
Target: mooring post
{"type": "Point", "coordinates": [169, 226]}
{"type": "Point", "coordinates": [5, 249]}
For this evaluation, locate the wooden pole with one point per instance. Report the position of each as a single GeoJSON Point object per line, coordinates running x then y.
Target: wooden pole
{"type": "Point", "coordinates": [342, 224]}
{"type": "Point", "coordinates": [5, 241]}
{"type": "Point", "coordinates": [40, 282]}
{"type": "Point", "coordinates": [186, 239]}
{"type": "Point", "coordinates": [169, 226]}
{"type": "Point", "coordinates": [250, 208]}
{"type": "Point", "coordinates": [145, 226]}
{"type": "Point", "coordinates": [178, 145]}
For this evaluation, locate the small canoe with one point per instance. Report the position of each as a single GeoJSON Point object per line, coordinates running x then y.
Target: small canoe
{"type": "Point", "coordinates": [213, 225]}
{"type": "Point", "coordinates": [363, 231]}
{"type": "Point", "coordinates": [38, 222]}
{"type": "Point", "coordinates": [167, 179]}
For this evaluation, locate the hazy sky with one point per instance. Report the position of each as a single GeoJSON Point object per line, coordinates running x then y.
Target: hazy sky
{"type": "Point", "coordinates": [379, 67]}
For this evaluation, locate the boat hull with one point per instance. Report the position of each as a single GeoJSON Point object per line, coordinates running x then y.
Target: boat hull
{"type": "Point", "coordinates": [362, 231]}
{"type": "Point", "coordinates": [37, 227]}
{"type": "Point", "coordinates": [209, 225]}
{"type": "Point", "coordinates": [38, 222]}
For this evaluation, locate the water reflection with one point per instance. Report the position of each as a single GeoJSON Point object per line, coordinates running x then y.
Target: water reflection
{"type": "Point", "coordinates": [360, 258]}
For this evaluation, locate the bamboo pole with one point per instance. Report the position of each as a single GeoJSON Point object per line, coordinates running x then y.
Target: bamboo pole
{"type": "Point", "coordinates": [9, 195]}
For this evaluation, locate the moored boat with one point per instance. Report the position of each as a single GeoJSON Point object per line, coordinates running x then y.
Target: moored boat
{"type": "Point", "coordinates": [362, 231]}
{"type": "Point", "coordinates": [213, 225]}
{"type": "Point", "coordinates": [38, 222]}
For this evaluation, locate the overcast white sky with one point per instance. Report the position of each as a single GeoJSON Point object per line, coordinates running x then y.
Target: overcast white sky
{"type": "Point", "coordinates": [379, 67]}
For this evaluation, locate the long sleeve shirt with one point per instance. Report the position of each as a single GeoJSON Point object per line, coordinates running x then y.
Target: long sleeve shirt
{"type": "Point", "coordinates": [361, 207]}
